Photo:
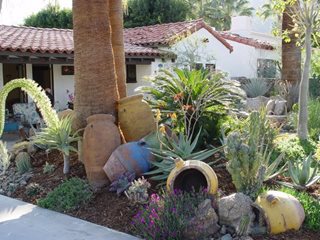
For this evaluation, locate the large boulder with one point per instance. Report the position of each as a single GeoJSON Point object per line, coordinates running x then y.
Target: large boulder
{"type": "Point", "coordinates": [233, 209]}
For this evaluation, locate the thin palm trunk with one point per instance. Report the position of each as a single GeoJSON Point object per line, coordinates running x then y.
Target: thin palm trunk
{"type": "Point", "coordinates": [304, 89]}
{"type": "Point", "coordinates": [95, 79]}
{"type": "Point", "coordinates": [116, 21]}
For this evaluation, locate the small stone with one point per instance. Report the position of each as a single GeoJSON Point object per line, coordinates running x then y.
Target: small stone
{"type": "Point", "coordinates": [223, 230]}
{"type": "Point", "coordinates": [22, 183]}
{"type": "Point", "coordinates": [226, 237]}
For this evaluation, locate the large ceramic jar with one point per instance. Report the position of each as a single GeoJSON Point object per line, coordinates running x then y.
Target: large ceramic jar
{"type": "Point", "coordinates": [101, 137]}
{"type": "Point", "coordinates": [135, 117]}
{"type": "Point", "coordinates": [192, 174]}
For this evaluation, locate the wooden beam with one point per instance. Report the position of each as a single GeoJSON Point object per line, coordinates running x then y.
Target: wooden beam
{"type": "Point", "coordinates": [41, 60]}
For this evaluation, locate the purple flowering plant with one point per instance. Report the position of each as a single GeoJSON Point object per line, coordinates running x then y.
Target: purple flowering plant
{"type": "Point", "coordinates": [166, 215]}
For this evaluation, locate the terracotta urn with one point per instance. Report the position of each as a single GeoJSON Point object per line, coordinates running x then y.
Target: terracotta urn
{"type": "Point", "coordinates": [101, 137]}
{"type": "Point", "coordinates": [135, 118]}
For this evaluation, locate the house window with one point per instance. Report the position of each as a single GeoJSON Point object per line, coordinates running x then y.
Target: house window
{"type": "Point", "coordinates": [211, 67]}
{"type": "Point", "coordinates": [198, 66]}
{"type": "Point", "coordinates": [267, 68]}
{"type": "Point", "coordinates": [131, 73]}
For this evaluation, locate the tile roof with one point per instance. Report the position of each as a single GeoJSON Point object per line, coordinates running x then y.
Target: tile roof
{"type": "Point", "coordinates": [247, 41]}
{"type": "Point", "coordinates": [168, 33]}
{"type": "Point", "coordinates": [60, 41]}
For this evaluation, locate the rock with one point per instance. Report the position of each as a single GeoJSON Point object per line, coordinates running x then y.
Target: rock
{"type": "Point", "coordinates": [256, 103]}
{"type": "Point", "coordinates": [226, 237]}
{"type": "Point", "coordinates": [223, 230]}
{"type": "Point", "coordinates": [204, 224]}
{"type": "Point", "coordinates": [280, 107]}
{"type": "Point", "coordinates": [233, 208]}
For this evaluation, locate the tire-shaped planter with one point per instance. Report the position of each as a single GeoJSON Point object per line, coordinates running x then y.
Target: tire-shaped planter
{"type": "Point", "coordinates": [192, 174]}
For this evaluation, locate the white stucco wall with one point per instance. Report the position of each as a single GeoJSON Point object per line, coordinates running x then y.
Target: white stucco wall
{"type": "Point", "coordinates": [1, 75]}
{"type": "Point", "coordinates": [61, 84]}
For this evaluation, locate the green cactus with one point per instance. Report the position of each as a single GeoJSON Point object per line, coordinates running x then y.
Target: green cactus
{"type": "Point", "coordinates": [246, 152]}
{"type": "Point", "coordinates": [244, 226]}
{"type": "Point", "coordinates": [23, 162]}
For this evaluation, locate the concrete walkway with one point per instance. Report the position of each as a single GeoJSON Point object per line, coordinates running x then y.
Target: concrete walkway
{"type": "Point", "coordinates": [24, 221]}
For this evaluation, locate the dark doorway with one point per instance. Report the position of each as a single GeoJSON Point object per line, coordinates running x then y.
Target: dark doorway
{"type": "Point", "coordinates": [10, 72]}
{"type": "Point", "coordinates": [42, 75]}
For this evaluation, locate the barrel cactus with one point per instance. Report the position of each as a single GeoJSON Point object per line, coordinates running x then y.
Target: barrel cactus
{"type": "Point", "coordinates": [23, 162]}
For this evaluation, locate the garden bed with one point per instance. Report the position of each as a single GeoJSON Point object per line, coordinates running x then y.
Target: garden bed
{"type": "Point", "coordinates": [107, 209]}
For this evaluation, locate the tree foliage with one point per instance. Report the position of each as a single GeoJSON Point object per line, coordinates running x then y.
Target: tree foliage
{"type": "Point", "coordinates": [218, 13]}
{"type": "Point", "coordinates": [146, 12]}
{"type": "Point", "coordinates": [51, 17]}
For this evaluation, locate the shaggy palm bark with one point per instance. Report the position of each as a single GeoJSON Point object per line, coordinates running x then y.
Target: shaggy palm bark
{"type": "Point", "coordinates": [95, 79]}
{"type": "Point", "coordinates": [304, 89]}
{"type": "Point", "coordinates": [291, 57]}
{"type": "Point", "coordinates": [116, 21]}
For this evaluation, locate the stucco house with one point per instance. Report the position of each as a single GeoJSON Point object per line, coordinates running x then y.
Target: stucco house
{"type": "Point", "coordinates": [46, 55]}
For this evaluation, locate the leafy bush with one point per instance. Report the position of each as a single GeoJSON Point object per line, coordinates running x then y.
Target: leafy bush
{"type": "Point", "coordinates": [314, 86]}
{"type": "Point", "coordinates": [313, 118]}
{"type": "Point", "coordinates": [197, 98]}
{"type": "Point", "coordinates": [166, 216]}
{"type": "Point", "coordinates": [256, 87]}
{"type": "Point", "coordinates": [67, 196]}
{"type": "Point", "coordinates": [293, 148]}
{"type": "Point", "coordinates": [311, 207]}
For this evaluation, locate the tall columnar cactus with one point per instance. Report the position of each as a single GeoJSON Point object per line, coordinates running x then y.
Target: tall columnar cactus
{"type": "Point", "coordinates": [245, 154]}
{"type": "Point", "coordinates": [36, 93]}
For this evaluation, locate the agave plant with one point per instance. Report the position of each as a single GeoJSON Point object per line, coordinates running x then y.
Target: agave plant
{"type": "Point", "coordinates": [60, 137]}
{"type": "Point", "coordinates": [256, 87]}
{"type": "Point", "coordinates": [173, 147]}
{"type": "Point", "coordinates": [272, 169]}
{"type": "Point", "coordinates": [303, 175]}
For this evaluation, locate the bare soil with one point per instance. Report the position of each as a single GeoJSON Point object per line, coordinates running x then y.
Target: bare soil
{"type": "Point", "coordinates": [107, 209]}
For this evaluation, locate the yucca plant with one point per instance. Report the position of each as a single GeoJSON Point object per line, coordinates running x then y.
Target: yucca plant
{"type": "Point", "coordinates": [303, 175]}
{"type": "Point", "coordinates": [197, 98]}
{"type": "Point", "coordinates": [59, 137]}
{"type": "Point", "coordinates": [173, 147]}
{"type": "Point", "coordinates": [256, 87]}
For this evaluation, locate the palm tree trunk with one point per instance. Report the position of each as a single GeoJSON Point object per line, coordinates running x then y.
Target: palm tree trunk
{"type": "Point", "coordinates": [116, 21]}
{"type": "Point", "coordinates": [95, 79]}
{"type": "Point", "coordinates": [291, 56]}
{"type": "Point", "coordinates": [304, 89]}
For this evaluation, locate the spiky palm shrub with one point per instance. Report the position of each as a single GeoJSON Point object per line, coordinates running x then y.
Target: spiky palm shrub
{"type": "Point", "coordinates": [59, 137]}
{"type": "Point", "coordinates": [36, 93]}
{"type": "Point", "coordinates": [197, 98]}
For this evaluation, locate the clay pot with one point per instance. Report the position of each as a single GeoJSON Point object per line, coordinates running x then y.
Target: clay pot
{"type": "Point", "coordinates": [135, 118]}
{"type": "Point", "coordinates": [192, 174]}
{"type": "Point", "coordinates": [130, 157]}
{"type": "Point", "coordinates": [101, 137]}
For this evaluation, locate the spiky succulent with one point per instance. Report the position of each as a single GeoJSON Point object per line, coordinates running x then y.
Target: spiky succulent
{"type": "Point", "coordinates": [4, 157]}
{"type": "Point", "coordinates": [122, 183]}
{"type": "Point", "coordinates": [173, 147]}
{"type": "Point", "coordinates": [138, 191]}
{"type": "Point", "coordinates": [302, 174]}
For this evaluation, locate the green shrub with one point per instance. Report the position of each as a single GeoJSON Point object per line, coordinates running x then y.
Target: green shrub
{"type": "Point", "coordinates": [197, 99]}
{"type": "Point", "coordinates": [313, 118]}
{"type": "Point", "coordinates": [165, 217]}
{"type": "Point", "coordinates": [67, 196]}
{"type": "Point", "coordinates": [293, 148]}
{"type": "Point", "coordinates": [311, 207]}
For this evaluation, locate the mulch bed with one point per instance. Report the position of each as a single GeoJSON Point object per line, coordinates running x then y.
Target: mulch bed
{"type": "Point", "coordinates": [107, 209]}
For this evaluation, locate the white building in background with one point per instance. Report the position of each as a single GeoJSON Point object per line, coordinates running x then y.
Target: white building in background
{"type": "Point", "coordinates": [46, 55]}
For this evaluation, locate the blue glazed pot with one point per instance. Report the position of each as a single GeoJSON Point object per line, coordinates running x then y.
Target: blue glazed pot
{"type": "Point", "coordinates": [132, 157]}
